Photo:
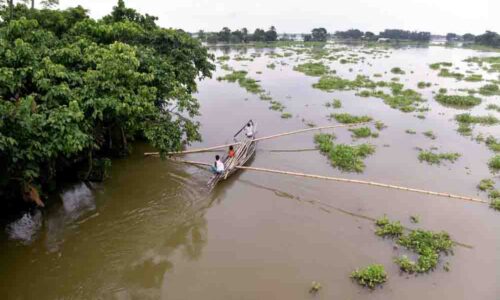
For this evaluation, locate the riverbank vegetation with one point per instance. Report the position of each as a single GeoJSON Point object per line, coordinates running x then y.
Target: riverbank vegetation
{"type": "Point", "coordinates": [75, 91]}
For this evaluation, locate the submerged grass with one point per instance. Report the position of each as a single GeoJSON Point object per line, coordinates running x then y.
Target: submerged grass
{"type": "Point", "coordinates": [345, 157]}
{"type": "Point", "coordinates": [457, 100]}
{"type": "Point", "coordinates": [436, 158]}
{"type": "Point", "coordinates": [370, 276]}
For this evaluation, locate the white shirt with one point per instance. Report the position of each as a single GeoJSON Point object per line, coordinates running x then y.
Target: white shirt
{"type": "Point", "coordinates": [219, 166]}
{"type": "Point", "coordinates": [249, 130]}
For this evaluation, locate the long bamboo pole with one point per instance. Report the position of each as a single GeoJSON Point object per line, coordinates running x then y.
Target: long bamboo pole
{"type": "Point", "coordinates": [257, 139]}
{"type": "Point", "coordinates": [366, 183]}
{"type": "Point", "coordinates": [378, 184]}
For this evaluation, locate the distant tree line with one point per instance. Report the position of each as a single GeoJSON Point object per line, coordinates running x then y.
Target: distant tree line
{"type": "Point", "coordinates": [394, 34]}
{"type": "Point", "coordinates": [239, 36]}
{"type": "Point", "coordinates": [489, 38]}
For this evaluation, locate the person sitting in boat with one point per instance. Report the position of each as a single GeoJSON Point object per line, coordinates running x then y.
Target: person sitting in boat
{"type": "Point", "coordinates": [218, 167]}
{"type": "Point", "coordinates": [249, 130]}
{"type": "Point", "coordinates": [231, 152]}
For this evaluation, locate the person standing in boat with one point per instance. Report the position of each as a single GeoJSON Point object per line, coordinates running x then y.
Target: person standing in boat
{"type": "Point", "coordinates": [218, 166]}
{"type": "Point", "coordinates": [249, 130]}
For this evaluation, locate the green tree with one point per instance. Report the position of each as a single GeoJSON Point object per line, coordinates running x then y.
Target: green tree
{"type": "Point", "coordinates": [75, 90]}
{"type": "Point", "coordinates": [271, 35]}
{"type": "Point", "coordinates": [319, 34]}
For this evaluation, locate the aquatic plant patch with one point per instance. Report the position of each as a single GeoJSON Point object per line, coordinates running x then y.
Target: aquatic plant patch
{"type": "Point", "coordinates": [362, 132]}
{"type": "Point", "coordinates": [286, 115]}
{"type": "Point", "coordinates": [494, 163]}
{"type": "Point", "coordinates": [386, 228]}
{"type": "Point", "coordinates": [489, 90]}
{"type": "Point", "coordinates": [483, 120]}
{"type": "Point", "coordinates": [312, 69]}
{"type": "Point", "coordinates": [446, 73]}
{"type": "Point", "coordinates": [436, 158]}
{"type": "Point", "coordinates": [436, 66]}
{"type": "Point", "coordinates": [486, 184]}
{"type": "Point", "coordinates": [458, 101]}
{"type": "Point", "coordinates": [370, 276]}
{"type": "Point", "coordinates": [493, 107]}
{"type": "Point", "coordinates": [249, 84]}
{"type": "Point", "coordinates": [430, 134]}
{"type": "Point", "coordinates": [397, 70]}
{"type": "Point", "coordinates": [344, 157]}
{"type": "Point", "coordinates": [346, 118]}
{"type": "Point", "coordinates": [493, 144]}
{"type": "Point", "coordinates": [474, 77]}
{"type": "Point", "coordinates": [423, 85]}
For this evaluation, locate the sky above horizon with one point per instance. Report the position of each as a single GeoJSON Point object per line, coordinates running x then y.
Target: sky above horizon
{"type": "Point", "coordinates": [294, 16]}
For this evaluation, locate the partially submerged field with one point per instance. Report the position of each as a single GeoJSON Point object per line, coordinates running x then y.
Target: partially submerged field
{"type": "Point", "coordinates": [433, 123]}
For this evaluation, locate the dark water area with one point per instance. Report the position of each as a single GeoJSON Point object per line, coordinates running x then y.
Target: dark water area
{"type": "Point", "coordinates": [152, 230]}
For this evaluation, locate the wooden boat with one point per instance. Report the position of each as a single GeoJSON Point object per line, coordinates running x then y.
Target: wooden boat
{"type": "Point", "coordinates": [244, 150]}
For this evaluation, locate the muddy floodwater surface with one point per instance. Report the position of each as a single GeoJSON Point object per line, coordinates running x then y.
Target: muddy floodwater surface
{"type": "Point", "coordinates": [152, 231]}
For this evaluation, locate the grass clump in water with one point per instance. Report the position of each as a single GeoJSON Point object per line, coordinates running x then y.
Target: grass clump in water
{"type": "Point", "coordinates": [493, 107]}
{"type": "Point", "coordinates": [486, 184]}
{"type": "Point", "coordinates": [470, 119]}
{"type": "Point", "coordinates": [312, 69]}
{"type": "Point", "coordinates": [271, 66]}
{"type": "Point", "coordinates": [494, 163]}
{"type": "Point", "coordinates": [495, 204]}
{"type": "Point", "coordinates": [361, 132]}
{"type": "Point", "coordinates": [275, 105]}
{"type": "Point", "coordinates": [493, 144]}
{"type": "Point", "coordinates": [370, 276]}
{"type": "Point", "coordinates": [346, 118]}
{"type": "Point", "coordinates": [457, 100]}
{"type": "Point", "coordinates": [345, 157]}
{"type": "Point", "coordinates": [430, 134]}
{"type": "Point", "coordinates": [249, 84]}
{"type": "Point", "coordinates": [474, 77]}
{"type": "Point", "coordinates": [436, 66]}
{"type": "Point", "coordinates": [335, 104]}
{"type": "Point", "coordinates": [397, 70]}
{"type": "Point", "coordinates": [446, 73]}
{"type": "Point", "coordinates": [386, 228]}
{"type": "Point", "coordinates": [410, 131]}
{"type": "Point", "coordinates": [286, 115]}
{"type": "Point", "coordinates": [423, 85]}
{"type": "Point", "coordinates": [380, 125]}
{"type": "Point", "coordinates": [489, 90]}
{"type": "Point", "coordinates": [436, 158]}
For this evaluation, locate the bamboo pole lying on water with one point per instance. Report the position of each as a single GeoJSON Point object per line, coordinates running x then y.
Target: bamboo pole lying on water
{"type": "Point", "coordinates": [390, 186]}
{"type": "Point", "coordinates": [257, 139]}
{"type": "Point", "coordinates": [365, 182]}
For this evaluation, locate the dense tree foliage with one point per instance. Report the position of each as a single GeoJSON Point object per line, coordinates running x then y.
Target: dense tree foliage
{"type": "Point", "coordinates": [74, 90]}
{"type": "Point", "coordinates": [239, 36]}
{"type": "Point", "coordinates": [349, 34]}
{"type": "Point", "coordinates": [398, 34]}
{"type": "Point", "coordinates": [452, 37]}
{"type": "Point", "coordinates": [468, 37]}
{"type": "Point", "coordinates": [489, 38]}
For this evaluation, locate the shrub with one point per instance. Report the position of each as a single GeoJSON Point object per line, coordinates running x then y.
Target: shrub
{"type": "Point", "coordinates": [370, 276]}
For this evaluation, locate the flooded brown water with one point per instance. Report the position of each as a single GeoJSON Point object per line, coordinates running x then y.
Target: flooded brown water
{"type": "Point", "coordinates": [153, 232]}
